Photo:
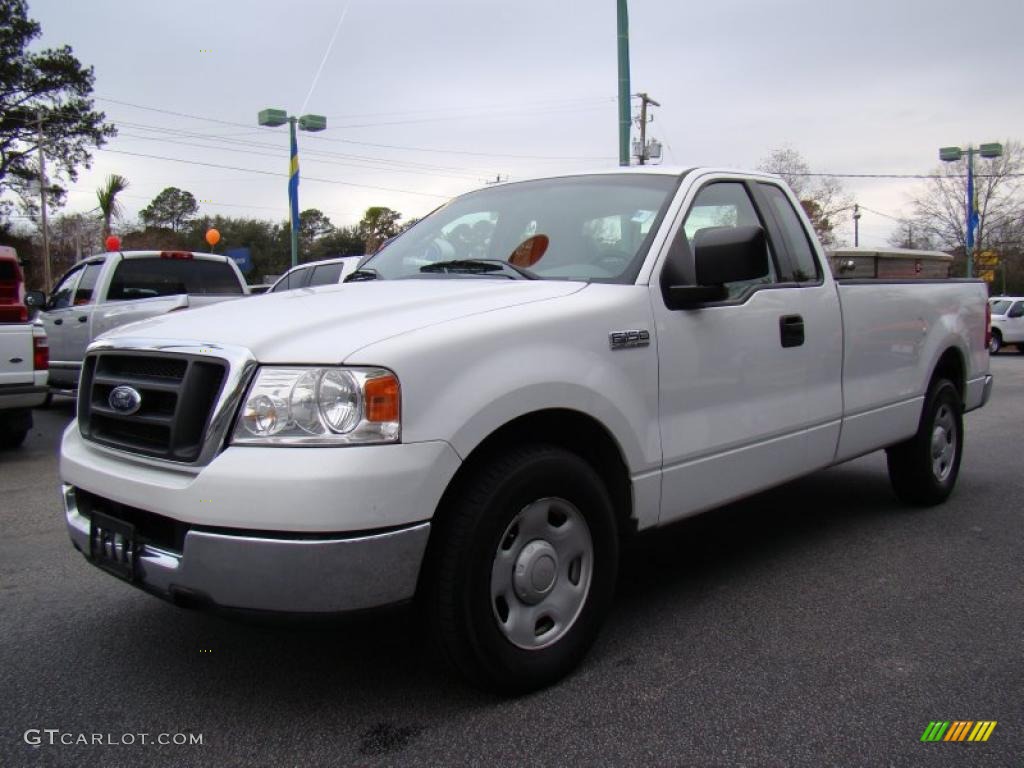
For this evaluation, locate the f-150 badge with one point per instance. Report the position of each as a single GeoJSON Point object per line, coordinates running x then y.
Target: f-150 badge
{"type": "Point", "coordinates": [627, 339]}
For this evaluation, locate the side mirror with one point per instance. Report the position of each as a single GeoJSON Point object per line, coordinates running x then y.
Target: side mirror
{"type": "Point", "coordinates": [721, 255]}
{"type": "Point", "coordinates": [34, 299]}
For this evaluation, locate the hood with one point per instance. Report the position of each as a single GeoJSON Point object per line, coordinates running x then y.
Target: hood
{"type": "Point", "coordinates": [329, 323]}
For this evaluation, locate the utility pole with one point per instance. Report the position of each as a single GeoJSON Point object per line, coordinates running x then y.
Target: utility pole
{"type": "Point", "coordinates": [856, 225]}
{"type": "Point", "coordinates": [42, 193]}
{"type": "Point", "coordinates": [625, 119]}
{"type": "Point", "coordinates": [644, 101]}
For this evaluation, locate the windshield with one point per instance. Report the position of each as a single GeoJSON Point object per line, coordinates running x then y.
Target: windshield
{"type": "Point", "coordinates": [576, 228]}
{"type": "Point", "coordinates": [1000, 307]}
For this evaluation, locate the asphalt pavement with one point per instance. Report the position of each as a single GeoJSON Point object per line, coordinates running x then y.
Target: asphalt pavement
{"type": "Point", "coordinates": [817, 624]}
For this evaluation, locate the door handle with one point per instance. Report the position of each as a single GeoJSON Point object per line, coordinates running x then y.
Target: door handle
{"type": "Point", "coordinates": [83, 318]}
{"type": "Point", "coordinates": [791, 330]}
{"type": "Point", "coordinates": [58, 321]}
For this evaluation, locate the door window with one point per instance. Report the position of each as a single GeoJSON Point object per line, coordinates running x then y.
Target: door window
{"type": "Point", "coordinates": [1017, 310]}
{"type": "Point", "coordinates": [326, 274]}
{"type": "Point", "coordinates": [726, 204]}
{"type": "Point", "coordinates": [805, 266]}
{"type": "Point", "coordinates": [61, 296]}
{"type": "Point", "coordinates": [87, 285]}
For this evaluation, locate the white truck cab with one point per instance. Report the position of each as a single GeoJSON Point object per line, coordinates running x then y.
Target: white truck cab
{"type": "Point", "coordinates": [492, 402]}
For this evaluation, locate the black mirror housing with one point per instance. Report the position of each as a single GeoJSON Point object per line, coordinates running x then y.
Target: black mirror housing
{"type": "Point", "coordinates": [34, 299]}
{"type": "Point", "coordinates": [729, 254]}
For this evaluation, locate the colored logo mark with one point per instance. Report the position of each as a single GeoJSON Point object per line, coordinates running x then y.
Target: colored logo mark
{"type": "Point", "coordinates": [958, 730]}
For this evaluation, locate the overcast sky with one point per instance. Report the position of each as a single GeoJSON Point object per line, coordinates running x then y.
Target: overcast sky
{"type": "Point", "coordinates": [429, 98]}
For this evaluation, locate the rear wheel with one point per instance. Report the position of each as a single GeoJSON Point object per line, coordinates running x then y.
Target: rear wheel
{"type": "Point", "coordinates": [14, 427]}
{"type": "Point", "coordinates": [524, 567]}
{"type": "Point", "coordinates": [923, 469]}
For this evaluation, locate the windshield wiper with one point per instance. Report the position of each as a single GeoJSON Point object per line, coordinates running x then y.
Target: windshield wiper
{"type": "Point", "coordinates": [478, 265]}
{"type": "Point", "coordinates": [363, 273]}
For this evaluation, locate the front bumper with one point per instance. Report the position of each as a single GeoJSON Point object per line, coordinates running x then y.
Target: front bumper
{"type": "Point", "coordinates": [265, 573]}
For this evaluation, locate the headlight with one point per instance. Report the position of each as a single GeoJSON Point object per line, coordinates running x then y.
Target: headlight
{"type": "Point", "coordinates": [320, 406]}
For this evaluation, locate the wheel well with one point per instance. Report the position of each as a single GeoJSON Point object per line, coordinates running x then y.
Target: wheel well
{"type": "Point", "coordinates": [571, 430]}
{"type": "Point", "coordinates": [951, 366]}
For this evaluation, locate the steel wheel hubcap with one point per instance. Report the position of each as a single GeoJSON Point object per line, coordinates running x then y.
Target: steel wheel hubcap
{"type": "Point", "coordinates": [541, 573]}
{"type": "Point", "coordinates": [943, 443]}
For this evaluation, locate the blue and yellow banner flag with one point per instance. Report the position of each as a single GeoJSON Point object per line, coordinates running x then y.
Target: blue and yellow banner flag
{"type": "Point", "coordinates": [293, 184]}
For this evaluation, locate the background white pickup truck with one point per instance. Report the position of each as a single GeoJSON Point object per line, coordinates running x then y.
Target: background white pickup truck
{"type": "Point", "coordinates": [24, 359]}
{"type": "Point", "coordinates": [112, 289]}
{"type": "Point", "coordinates": [526, 376]}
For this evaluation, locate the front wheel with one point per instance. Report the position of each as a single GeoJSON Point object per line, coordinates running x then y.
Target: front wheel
{"type": "Point", "coordinates": [923, 469]}
{"type": "Point", "coordinates": [995, 343]}
{"type": "Point", "coordinates": [524, 568]}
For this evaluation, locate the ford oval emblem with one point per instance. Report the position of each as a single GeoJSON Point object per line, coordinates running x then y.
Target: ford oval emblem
{"type": "Point", "coordinates": [125, 400]}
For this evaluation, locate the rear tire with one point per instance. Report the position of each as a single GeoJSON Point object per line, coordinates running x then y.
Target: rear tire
{"type": "Point", "coordinates": [14, 428]}
{"type": "Point", "coordinates": [522, 569]}
{"type": "Point", "coordinates": [923, 470]}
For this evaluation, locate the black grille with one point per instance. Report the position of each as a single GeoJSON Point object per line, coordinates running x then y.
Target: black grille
{"type": "Point", "coordinates": [177, 392]}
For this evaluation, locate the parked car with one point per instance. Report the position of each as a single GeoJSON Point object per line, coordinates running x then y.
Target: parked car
{"type": "Point", "coordinates": [24, 359]}
{"type": "Point", "coordinates": [527, 376]}
{"type": "Point", "coordinates": [12, 287]}
{"type": "Point", "coordinates": [112, 289]}
{"type": "Point", "coordinates": [314, 273]}
{"type": "Point", "coordinates": [1007, 322]}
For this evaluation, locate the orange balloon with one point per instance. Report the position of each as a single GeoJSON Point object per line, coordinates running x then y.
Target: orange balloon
{"type": "Point", "coordinates": [212, 237]}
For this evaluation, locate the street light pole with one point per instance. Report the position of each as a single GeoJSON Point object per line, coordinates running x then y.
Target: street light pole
{"type": "Point", "coordinates": [624, 102]}
{"type": "Point", "coordinates": [953, 155]}
{"type": "Point", "coordinates": [273, 118]}
{"type": "Point", "coordinates": [856, 225]}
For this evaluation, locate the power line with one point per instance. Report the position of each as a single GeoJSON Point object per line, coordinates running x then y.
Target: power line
{"type": "Point", "coordinates": [273, 173]}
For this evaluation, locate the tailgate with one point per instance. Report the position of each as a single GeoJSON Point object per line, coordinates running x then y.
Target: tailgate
{"type": "Point", "coordinates": [15, 354]}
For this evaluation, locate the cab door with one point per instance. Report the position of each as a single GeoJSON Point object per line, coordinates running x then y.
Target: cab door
{"type": "Point", "coordinates": [735, 410]}
{"type": "Point", "coordinates": [59, 319]}
{"type": "Point", "coordinates": [79, 332]}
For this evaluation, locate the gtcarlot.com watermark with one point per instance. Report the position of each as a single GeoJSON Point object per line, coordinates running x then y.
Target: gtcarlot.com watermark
{"type": "Point", "coordinates": [52, 737]}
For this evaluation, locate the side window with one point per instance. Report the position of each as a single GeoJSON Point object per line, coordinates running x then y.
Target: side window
{"type": "Point", "coordinates": [805, 266]}
{"type": "Point", "coordinates": [292, 279]}
{"type": "Point", "coordinates": [326, 274]}
{"type": "Point", "coordinates": [86, 286]}
{"type": "Point", "coordinates": [726, 204]}
{"type": "Point", "coordinates": [61, 296]}
{"type": "Point", "coordinates": [1017, 310]}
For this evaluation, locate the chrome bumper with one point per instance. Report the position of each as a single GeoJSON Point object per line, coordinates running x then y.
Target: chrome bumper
{"type": "Point", "coordinates": [270, 574]}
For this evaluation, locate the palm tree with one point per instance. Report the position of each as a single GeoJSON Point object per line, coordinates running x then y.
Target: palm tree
{"type": "Point", "coordinates": [110, 208]}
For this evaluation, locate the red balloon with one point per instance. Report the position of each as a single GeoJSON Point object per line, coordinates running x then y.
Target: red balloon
{"type": "Point", "coordinates": [113, 243]}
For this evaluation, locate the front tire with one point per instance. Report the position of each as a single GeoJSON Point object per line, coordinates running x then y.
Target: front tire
{"type": "Point", "coordinates": [995, 343]}
{"type": "Point", "coordinates": [524, 566]}
{"type": "Point", "coordinates": [923, 470]}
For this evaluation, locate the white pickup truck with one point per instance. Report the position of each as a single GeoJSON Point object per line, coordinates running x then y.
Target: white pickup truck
{"type": "Point", "coordinates": [112, 289]}
{"type": "Point", "coordinates": [24, 358]}
{"type": "Point", "coordinates": [525, 377]}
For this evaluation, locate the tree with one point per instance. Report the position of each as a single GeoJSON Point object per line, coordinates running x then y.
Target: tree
{"type": "Point", "coordinates": [909, 236]}
{"type": "Point", "coordinates": [49, 88]}
{"type": "Point", "coordinates": [172, 209]}
{"type": "Point", "coordinates": [377, 225]}
{"type": "Point", "coordinates": [109, 206]}
{"type": "Point", "coordinates": [822, 197]}
{"type": "Point", "coordinates": [313, 225]}
{"type": "Point", "coordinates": [940, 209]}
{"type": "Point", "coordinates": [342, 241]}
